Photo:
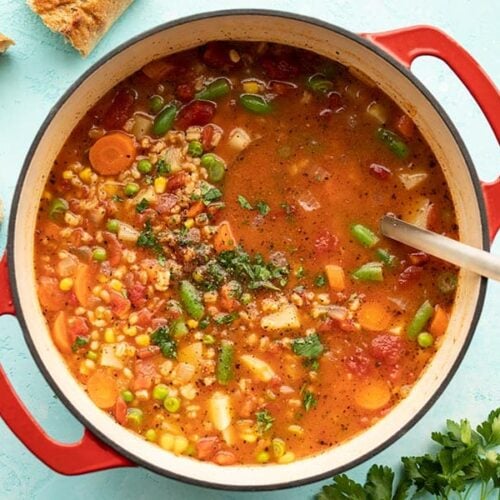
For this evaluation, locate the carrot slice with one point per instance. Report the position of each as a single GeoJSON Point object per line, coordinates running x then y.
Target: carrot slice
{"type": "Point", "coordinates": [336, 277]}
{"type": "Point", "coordinates": [224, 238]}
{"type": "Point", "coordinates": [373, 316]}
{"type": "Point", "coordinates": [405, 126]}
{"type": "Point", "coordinates": [102, 389]}
{"type": "Point", "coordinates": [373, 396]}
{"type": "Point", "coordinates": [439, 322]}
{"type": "Point", "coordinates": [60, 333]}
{"type": "Point", "coordinates": [195, 209]}
{"type": "Point", "coordinates": [112, 153]}
{"type": "Point", "coordinates": [82, 285]}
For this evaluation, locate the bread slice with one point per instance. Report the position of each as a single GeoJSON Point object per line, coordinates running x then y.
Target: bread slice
{"type": "Point", "coordinates": [5, 43]}
{"type": "Point", "coordinates": [81, 22]}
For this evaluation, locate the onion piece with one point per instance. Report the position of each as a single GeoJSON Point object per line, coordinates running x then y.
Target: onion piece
{"type": "Point", "coordinates": [127, 233]}
{"type": "Point", "coordinates": [411, 181]}
{"type": "Point", "coordinates": [142, 124]}
{"type": "Point", "coordinates": [239, 139]}
{"type": "Point", "coordinates": [308, 201]}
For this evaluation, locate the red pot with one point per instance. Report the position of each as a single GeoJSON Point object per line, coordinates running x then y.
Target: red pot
{"type": "Point", "coordinates": [386, 58]}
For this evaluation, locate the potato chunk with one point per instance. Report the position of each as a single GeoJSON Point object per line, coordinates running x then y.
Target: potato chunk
{"type": "Point", "coordinates": [259, 368]}
{"type": "Point", "coordinates": [219, 410]}
{"type": "Point", "coordinates": [285, 319]}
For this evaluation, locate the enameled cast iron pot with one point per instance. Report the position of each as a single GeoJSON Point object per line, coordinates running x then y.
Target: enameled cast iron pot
{"type": "Point", "coordinates": [385, 57]}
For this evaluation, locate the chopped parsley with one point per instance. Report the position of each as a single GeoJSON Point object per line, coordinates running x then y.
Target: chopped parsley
{"type": "Point", "coordinates": [320, 280]}
{"type": "Point", "coordinates": [263, 208]}
{"type": "Point", "coordinates": [309, 400]}
{"type": "Point", "coordinates": [165, 342]}
{"type": "Point", "coordinates": [141, 206]}
{"type": "Point", "coordinates": [147, 239]}
{"type": "Point", "coordinates": [162, 167]}
{"type": "Point", "coordinates": [309, 347]}
{"type": "Point", "coordinates": [300, 272]}
{"type": "Point", "coordinates": [264, 421]}
{"type": "Point", "coordinates": [244, 203]}
{"type": "Point", "coordinates": [210, 194]}
{"type": "Point", "coordinates": [79, 342]}
{"type": "Point", "coordinates": [226, 319]}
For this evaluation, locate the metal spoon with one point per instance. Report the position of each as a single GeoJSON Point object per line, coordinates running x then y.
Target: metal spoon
{"type": "Point", "coordinates": [445, 248]}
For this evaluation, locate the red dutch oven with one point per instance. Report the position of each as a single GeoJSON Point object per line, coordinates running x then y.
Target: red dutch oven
{"type": "Point", "coordinates": [386, 59]}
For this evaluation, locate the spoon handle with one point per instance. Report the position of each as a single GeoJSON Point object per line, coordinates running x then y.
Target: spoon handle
{"type": "Point", "coordinates": [440, 246]}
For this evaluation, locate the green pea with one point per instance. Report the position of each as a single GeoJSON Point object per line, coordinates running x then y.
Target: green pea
{"type": "Point", "coordinates": [135, 416]}
{"type": "Point", "coordinates": [425, 339]}
{"type": "Point", "coordinates": [99, 254]}
{"type": "Point", "coordinates": [131, 189]}
{"type": "Point", "coordinates": [255, 103]}
{"type": "Point", "coordinates": [127, 396]}
{"type": "Point", "coordinates": [144, 166]}
{"type": "Point", "coordinates": [113, 225]}
{"type": "Point", "coordinates": [246, 298]}
{"type": "Point", "coordinates": [447, 282]}
{"type": "Point", "coordinates": [58, 206]}
{"type": "Point", "coordinates": [156, 103]}
{"type": "Point", "coordinates": [160, 392]}
{"type": "Point", "coordinates": [195, 149]}
{"type": "Point", "coordinates": [164, 120]}
{"type": "Point", "coordinates": [150, 435]}
{"type": "Point", "coordinates": [218, 88]}
{"type": "Point", "coordinates": [172, 404]}
{"type": "Point", "coordinates": [215, 167]}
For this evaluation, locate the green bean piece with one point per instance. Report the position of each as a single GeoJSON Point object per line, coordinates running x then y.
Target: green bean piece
{"type": "Point", "coordinates": [425, 339]}
{"type": "Point", "coordinates": [447, 282]}
{"type": "Point", "coordinates": [420, 320]}
{"type": "Point", "coordinates": [179, 328]}
{"type": "Point", "coordinates": [318, 83]}
{"type": "Point", "coordinates": [225, 362]}
{"type": "Point", "coordinates": [57, 208]}
{"type": "Point", "coordinates": [393, 142]}
{"type": "Point", "coordinates": [215, 166]}
{"type": "Point", "coordinates": [164, 120]}
{"type": "Point", "coordinates": [156, 103]}
{"type": "Point", "coordinates": [113, 225]}
{"type": "Point", "coordinates": [212, 92]}
{"type": "Point", "coordinates": [387, 258]}
{"type": "Point", "coordinates": [191, 301]}
{"type": "Point", "coordinates": [364, 235]}
{"type": "Point", "coordinates": [255, 103]}
{"type": "Point", "coordinates": [372, 271]}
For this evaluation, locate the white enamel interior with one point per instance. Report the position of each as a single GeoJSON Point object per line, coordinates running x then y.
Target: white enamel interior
{"type": "Point", "coordinates": [287, 31]}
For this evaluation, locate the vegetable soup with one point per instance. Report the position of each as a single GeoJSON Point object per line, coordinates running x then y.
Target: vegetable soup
{"type": "Point", "coordinates": [208, 257]}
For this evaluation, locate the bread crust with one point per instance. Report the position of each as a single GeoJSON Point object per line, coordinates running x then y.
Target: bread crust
{"type": "Point", "coordinates": [81, 22]}
{"type": "Point", "coordinates": [5, 43]}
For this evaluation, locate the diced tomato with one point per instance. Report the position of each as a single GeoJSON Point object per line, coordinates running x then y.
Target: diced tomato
{"type": "Point", "coordinates": [279, 69]}
{"type": "Point", "coordinates": [165, 202]}
{"type": "Point", "coordinates": [206, 447]}
{"type": "Point", "coordinates": [411, 273]}
{"type": "Point", "coordinates": [148, 214]}
{"type": "Point", "coordinates": [184, 92]}
{"type": "Point", "coordinates": [216, 55]}
{"type": "Point", "coordinates": [224, 457]}
{"type": "Point", "coordinates": [158, 322]}
{"type": "Point", "coordinates": [418, 258]}
{"type": "Point", "coordinates": [120, 410]}
{"type": "Point", "coordinates": [387, 348]}
{"type": "Point", "coordinates": [144, 317]}
{"type": "Point", "coordinates": [358, 364]}
{"type": "Point", "coordinates": [137, 295]}
{"type": "Point", "coordinates": [405, 126]}
{"type": "Point", "coordinates": [114, 248]}
{"type": "Point", "coordinates": [325, 242]}
{"type": "Point", "coordinates": [148, 352]}
{"type": "Point", "coordinates": [120, 306]}
{"type": "Point", "coordinates": [77, 327]}
{"type": "Point", "coordinates": [52, 298]}
{"type": "Point", "coordinates": [228, 302]}
{"type": "Point", "coordinates": [281, 88]}
{"type": "Point", "coordinates": [177, 181]}
{"type": "Point", "coordinates": [120, 110]}
{"type": "Point", "coordinates": [206, 137]}
{"type": "Point", "coordinates": [380, 171]}
{"type": "Point", "coordinates": [144, 374]}
{"type": "Point", "coordinates": [195, 113]}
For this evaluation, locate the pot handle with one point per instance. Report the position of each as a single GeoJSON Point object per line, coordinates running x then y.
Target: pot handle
{"type": "Point", "coordinates": [87, 455]}
{"type": "Point", "coordinates": [406, 44]}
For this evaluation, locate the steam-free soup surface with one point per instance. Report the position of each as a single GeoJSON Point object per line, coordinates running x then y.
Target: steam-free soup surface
{"type": "Point", "coordinates": [208, 257]}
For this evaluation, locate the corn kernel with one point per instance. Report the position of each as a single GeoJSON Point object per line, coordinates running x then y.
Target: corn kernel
{"type": "Point", "coordinates": [94, 345]}
{"type": "Point", "coordinates": [102, 278]}
{"type": "Point", "coordinates": [249, 438]}
{"type": "Point", "coordinates": [133, 318]}
{"type": "Point", "coordinates": [143, 340]}
{"type": "Point", "coordinates": [167, 441]}
{"type": "Point", "coordinates": [67, 175]}
{"type": "Point", "coordinates": [234, 56]}
{"type": "Point", "coordinates": [97, 290]}
{"type": "Point", "coordinates": [86, 175]}
{"type": "Point", "coordinates": [66, 284]}
{"type": "Point", "coordinates": [192, 323]}
{"type": "Point", "coordinates": [296, 429]}
{"type": "Point", "coordinates": [189, 223]}
{"type": "Point", "coordinates": [109, 336]}
{"type": "Point", "coordinates": [160, 185]}
{"type": "Point", "coordinates": [180, 445]}
{"type": "Point", "coordinates": [89, 364]}
{"type": "Point", "coordinates": [116, 285]}
{"type": "Point", "coordinates": [47, 195]}
{"type": "Point", "coordinates": [288, 457]}
{"type": "Point", "coordinates": [105, 296]}
{"type": "Point", "coordinates": [131, 331]}
{"type": "Point", "coordinates": [251, 87]}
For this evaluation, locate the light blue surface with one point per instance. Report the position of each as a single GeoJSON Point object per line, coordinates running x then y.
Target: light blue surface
{"type": "Point", "coordinates": [39, 69]}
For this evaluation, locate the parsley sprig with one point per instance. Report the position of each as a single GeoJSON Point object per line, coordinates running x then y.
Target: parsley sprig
{"type": "Point", "coordinates": [466, 466]}
{"type": "Point", "coordinates": [164, 340]}
{"type": "Point", "coordinates": [148, 239]}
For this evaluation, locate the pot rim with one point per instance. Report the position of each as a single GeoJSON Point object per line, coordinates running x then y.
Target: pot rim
{"type": "Point", "coordinates": [211, 15]}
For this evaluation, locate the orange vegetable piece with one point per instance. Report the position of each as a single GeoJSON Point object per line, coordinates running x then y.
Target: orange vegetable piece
{"type": "Point", "coordinates": [112, 153]}
{"type": "Point", "coordinates": [373, 316]}
{"type": "Point", "coordinates": [374, 395]}
{"type": "Point", "coordinates": [336, 277]}
{"type": "Point", "coordinates": [60, 333]}
{"type": "Point", "coordinates": [102, 389]}
{"type": "Point", "coordinates": [405, 126]}
{"type": "Point", "coordinates": [195, 209]}
{"type": "Point", "coordinates": [439, 322]}
{"type": "Point", "coordinates": [224, 238]}
{"type": "Point", "coordinates": [83, 283]}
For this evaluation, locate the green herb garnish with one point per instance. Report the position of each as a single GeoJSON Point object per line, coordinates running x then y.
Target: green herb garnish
{"type": "Point", "coordinates": [244, 203]}
{"type": "Point", "coordinates": [309, 347]}
{"type": "Point", "coordinates": [264, 421]}
{"type": "Point", "coordinates": [141, 206]}
{"type": "Point", "coordinates": [165, 342]}
{"type": "Point", "coordinates": [147, 239]}
{"type": "Point", "coordinates": [79, 342]}
{"type": "Point", "coordinates": [309, 400]}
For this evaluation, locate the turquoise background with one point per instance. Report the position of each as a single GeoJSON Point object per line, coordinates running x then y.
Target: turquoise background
{"type": "Point", "coordinates": [39, 69]}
